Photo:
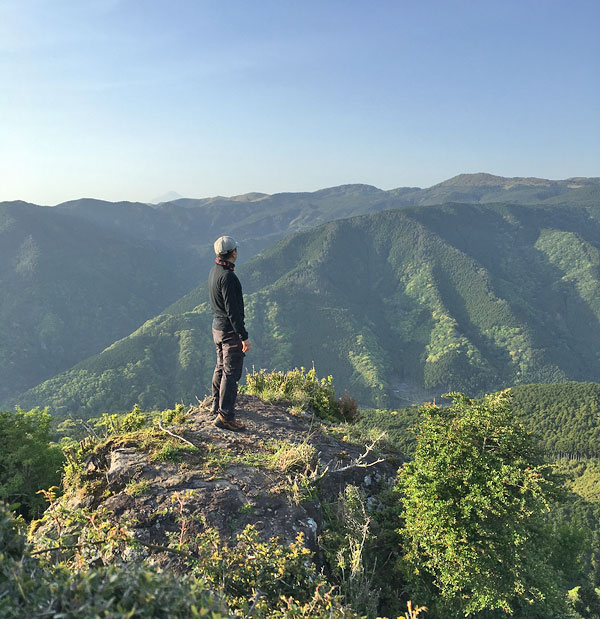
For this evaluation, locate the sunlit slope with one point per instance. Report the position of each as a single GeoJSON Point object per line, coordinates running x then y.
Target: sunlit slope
{"type": "Point", "coordinates": [397, 304]}
{"type": "Point", "coordinates": [76, 276]}
{"type": "Point", "coordinates": [79, 275]}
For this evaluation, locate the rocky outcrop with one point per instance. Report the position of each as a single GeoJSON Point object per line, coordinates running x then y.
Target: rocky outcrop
{"type": "Point", "coordinates": [277, 476]}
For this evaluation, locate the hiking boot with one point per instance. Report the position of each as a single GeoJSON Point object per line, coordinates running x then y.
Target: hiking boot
{"type": "Point", "coordinates": [229, 424]}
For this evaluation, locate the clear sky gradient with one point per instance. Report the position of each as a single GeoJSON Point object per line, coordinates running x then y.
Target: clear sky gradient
{"type": "Point", "coordinates": [126, 100]}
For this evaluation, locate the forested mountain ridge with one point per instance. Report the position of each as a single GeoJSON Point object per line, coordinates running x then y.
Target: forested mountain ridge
{"type": "Point", "coordinates": [412, 300]}
{"type": "Point", "coordinates": [55, 320]}
{"type": "Point", "coordinates": [80, 275]}
{"type": "Point", "coordinates": [69, 289]}
{"type": "Point", "coordinates": [256, 220]}
{"type": "Point", "coordinates": [564, 418]}
{"type": "Point", "coordinates": [255, 216]}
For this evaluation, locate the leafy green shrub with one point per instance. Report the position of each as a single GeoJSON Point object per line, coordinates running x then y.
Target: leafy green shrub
{"type": "Point", "coordinates": [30, 460]}
{"type": "Point", "coordinates": [263, 574]}
{"type": "Point", "coordinates": [32, 587]}
{"type": "Point", "coordinates": [121, 424]}
{"type": "Point", "coordinates": [474, 498]}
{"type": "Point", "coordinates": [174, 415]}
{"type": "Point", "coordinates": [297, 388]}
{"type": "Point", "coordinates": [12, 540]}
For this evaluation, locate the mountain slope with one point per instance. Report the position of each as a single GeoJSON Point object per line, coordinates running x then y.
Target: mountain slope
{"type": "Point", "coordinates": [80, 275]}
{"type": "Point", "coordinates": [485, 188]}
{"type": "Point", "coordinates": [69, 289]}
{"type": "Point", "coordinates": [413, 300]}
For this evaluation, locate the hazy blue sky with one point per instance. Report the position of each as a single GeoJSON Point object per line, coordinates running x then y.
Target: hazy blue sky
{"type": "Point", "coordinates": [125, 100]}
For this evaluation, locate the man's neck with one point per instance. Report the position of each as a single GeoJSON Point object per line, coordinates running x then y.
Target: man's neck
{"type": "Point", "coordinates": [226, 264]}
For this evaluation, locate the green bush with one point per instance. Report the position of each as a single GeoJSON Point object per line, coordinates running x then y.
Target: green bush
{"type": "Point", "coordinates": [30, 460]}
{"type": "Point", "coordinates": [174, 415]}
{"type": "Point", "coordinates": [32, 587]}
{"type": "Point", "coordinates": [121, 424]}
{"type": "Point", "coordinates": [261, 573]}
{"type": "Point", "coordinates": [474, 500]}
{"type": "Point", "coordinates": [300, 389]}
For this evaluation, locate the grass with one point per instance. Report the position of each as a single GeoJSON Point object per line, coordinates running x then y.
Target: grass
{"type": "Point", "coordinates": [216, 459]}
{"type": "Point", "coordinates": [137, 488]}
{"type": "Point", "coordinates": [173, 451]}
{"type": "Point", "coordinates": [247, 509]}
{"type": "Point", "coordinates": [293, 457]}
{"type": "Point", "coordinates": [298, 388]}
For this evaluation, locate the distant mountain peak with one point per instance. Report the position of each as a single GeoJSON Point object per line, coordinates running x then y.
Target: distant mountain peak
{"type": "Point", "coordinates": [253, 196]}
{"type": "Point", "coordinates": [479, 178]}
{"type": "Point", "coordinates": [483, 179]}
{"type": "Point", "coordinates": [167, 197]}
{"type": "Point", "coordinates": [350, 188]}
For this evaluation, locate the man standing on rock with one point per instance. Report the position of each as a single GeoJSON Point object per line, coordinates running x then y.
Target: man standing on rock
{"type": "Point", "coordinates": [229, 333]}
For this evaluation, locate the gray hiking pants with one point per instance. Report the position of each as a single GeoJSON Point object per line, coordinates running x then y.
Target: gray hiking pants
{"type": "Point", "coordinates": [228, 371]}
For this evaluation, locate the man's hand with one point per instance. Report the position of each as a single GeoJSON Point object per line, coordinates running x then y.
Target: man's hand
{"type": "Point", "coordinates": [246, 345]}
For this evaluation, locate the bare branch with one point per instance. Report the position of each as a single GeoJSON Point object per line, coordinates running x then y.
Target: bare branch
{"type": "Point", "coordinates": [257, 597]}
{"type": "Point", "coordinates": [160, 425]}
{"type": "Point", "coordinates": [358, 463]}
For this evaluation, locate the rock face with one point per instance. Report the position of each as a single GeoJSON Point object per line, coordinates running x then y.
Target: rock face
{"type": "Point", "coordinates": [277, 476]}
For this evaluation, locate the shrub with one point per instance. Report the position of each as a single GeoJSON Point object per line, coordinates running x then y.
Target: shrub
{"type": "Point", "coordinates": [474, 498]}
{"type": "Point", "coordinates": [174, 415]}
{"type": "Point", "coordinates": [30, 460]}
{"type": "Point", "coordinates": [31, 587]}
{"type": "Point", "coordinates": [266, 575]}
{"type": "Point", "coordinates": [121, 424]}
{"type": "Point", "coordinates": [348, 407]}
{"type": "Point", "coordinates": [297, 388]}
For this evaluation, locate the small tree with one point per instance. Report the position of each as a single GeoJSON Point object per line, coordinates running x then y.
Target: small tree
{"type": "Point", "coordinates": [30, 460]}
{"type": "Point", "coordinates": [474, 497]}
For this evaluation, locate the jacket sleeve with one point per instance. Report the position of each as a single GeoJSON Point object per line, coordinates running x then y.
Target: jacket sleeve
{"type": "Point", "coordinates": [234, 304]}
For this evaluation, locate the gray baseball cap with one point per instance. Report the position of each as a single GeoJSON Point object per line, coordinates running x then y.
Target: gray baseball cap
{"type": "Point", "coordinates": [225, 244]}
